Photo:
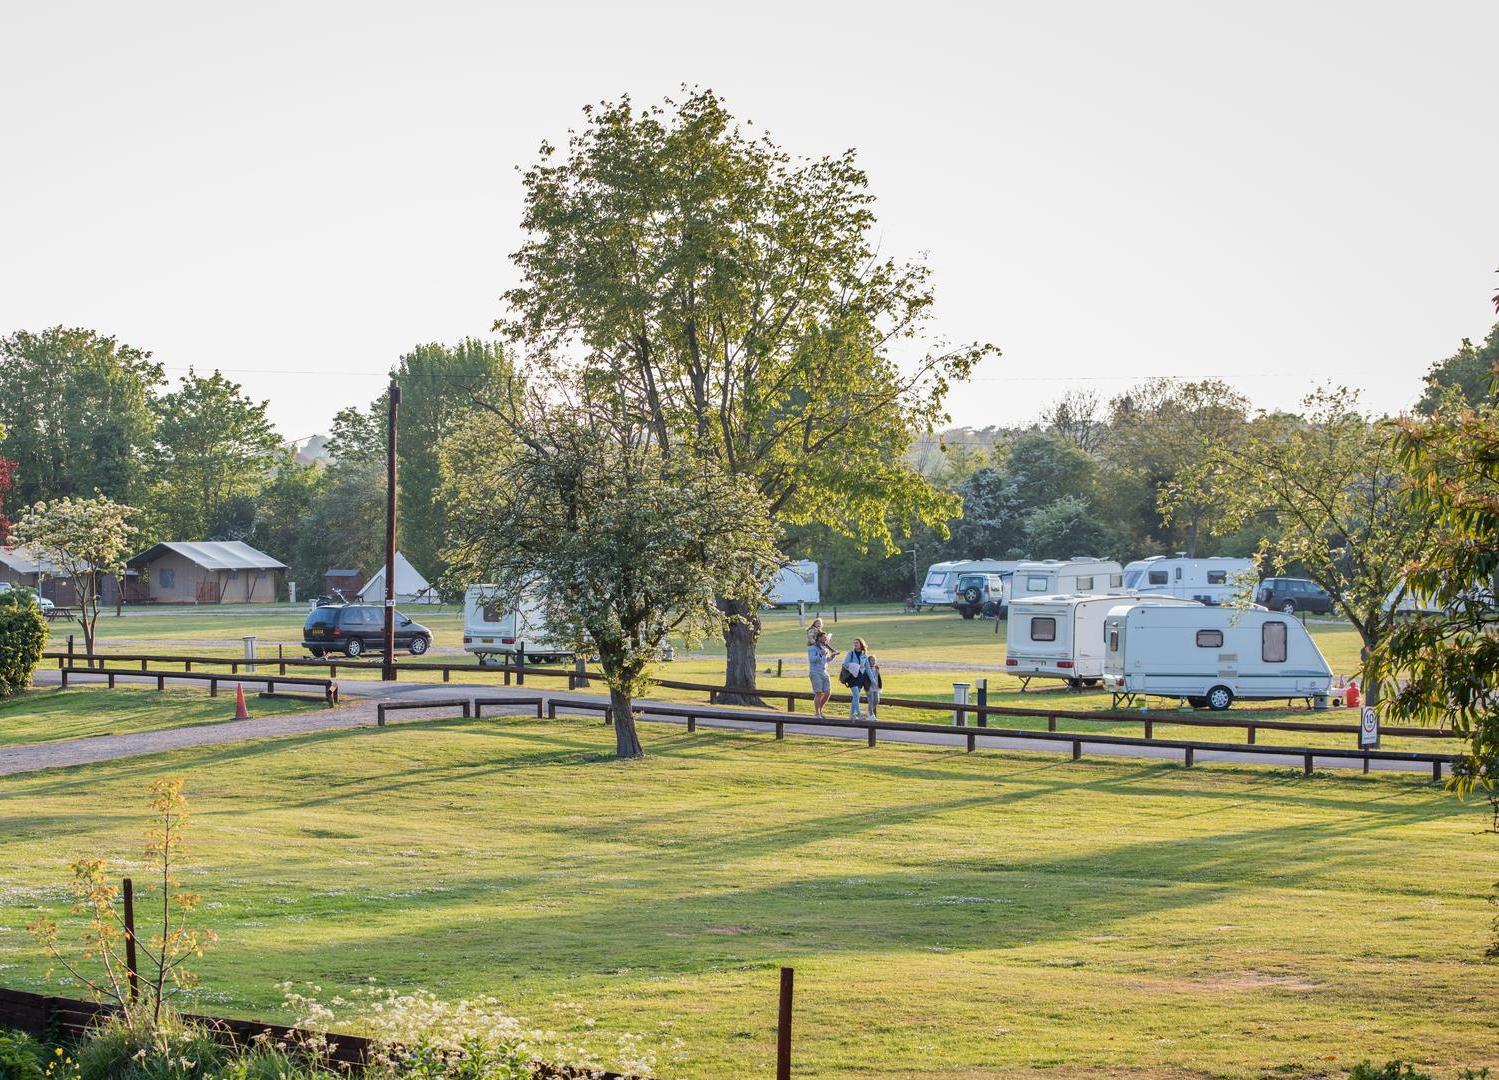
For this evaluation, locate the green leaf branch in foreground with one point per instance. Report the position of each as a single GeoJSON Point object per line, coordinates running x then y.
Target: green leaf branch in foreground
{"type": "Point", "coordinates": [1440, 666]}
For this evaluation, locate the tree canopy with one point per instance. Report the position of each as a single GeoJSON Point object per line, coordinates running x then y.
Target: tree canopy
{"type": "Point", "coordinates": [620, 543]}
{"type": "Point", "coordinates": [732, 301]}
{"type": "Point", "coordinates": [214, 445]}
{"type": "Point", "coordinates": [75, 408]}
{"type": "Point", "coordinates": [1464, 378]}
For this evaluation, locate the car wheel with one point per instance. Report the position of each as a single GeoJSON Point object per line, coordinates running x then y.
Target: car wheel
{"type": "Point", "coordinates": [353, 647]}
{"type": "Point", "coordinates": [419, 645]}
{"type": "Point", "coordinates": [967, 613]}
{"type": "Point", "coordinates": [1289, 607]}
{"type": "Point", "coordinates": [316, 652]}
{"type": "Point", "coordinates": [1220, 698]}
{"type": "Point", "coordinates": [1074, 684]}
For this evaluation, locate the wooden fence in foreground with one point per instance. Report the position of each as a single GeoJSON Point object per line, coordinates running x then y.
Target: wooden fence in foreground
{"type": "Point", "coordinates": [61, 1018]}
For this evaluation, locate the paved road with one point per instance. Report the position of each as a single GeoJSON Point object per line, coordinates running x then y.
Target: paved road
{"type": "Point", "coordinates": [361, 697]}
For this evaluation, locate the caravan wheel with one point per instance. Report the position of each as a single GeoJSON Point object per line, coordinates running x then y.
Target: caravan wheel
{"type": "Point", "coordinates": [1220, 698]}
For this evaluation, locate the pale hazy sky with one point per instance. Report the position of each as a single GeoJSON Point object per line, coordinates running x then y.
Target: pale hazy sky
{"type": "Point", "coordinates": [296, 193]}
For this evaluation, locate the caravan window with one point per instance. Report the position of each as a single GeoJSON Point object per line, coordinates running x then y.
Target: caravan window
{"type": "Point", "coordinates": [1158, 577]}
{"type": "Point", "coordinates": [1217, 577]}
{"type": "Point", "coordinates": [1084, 584]}
{"type": "Point", "coordinates": [1210, 639]}
{"type": "Point", "coordinates": [1116, 580]}
{"type": "Point", "coordinates": [1113, 639]}
{"type": "Point", "coordinates": [492, 610]}
{"type": "Point", "coordinates": [1273, 643]}
{"type": "Point", "coordinates": [1035, 583]}
{"type": "Point", "coordinates": [936, 577]}
{"type": "Point", "coordinates": [1043, 629]}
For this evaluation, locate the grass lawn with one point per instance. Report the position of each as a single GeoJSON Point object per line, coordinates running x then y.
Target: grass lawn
{"type": "Point", "coordinates": [48, 715]}
{"type": "Point", "coordinates": [948, 915]}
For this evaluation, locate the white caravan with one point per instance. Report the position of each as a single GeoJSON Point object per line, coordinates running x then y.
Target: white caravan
{"type": "Point", "coordinates": [1210, 655]}
{"type": "Point", "coordinates": [795, 584]}
{"type": "Point", "coordinates": [1217, 580]}
{"type": "Point", "coordinates": [1061, 637]}
{"type": "Point", "coordinates": [941, 584]}
{"type": "Point", "coordinates": [1059, 577]}
{"type": "Point", "coordinates": [490, 630]}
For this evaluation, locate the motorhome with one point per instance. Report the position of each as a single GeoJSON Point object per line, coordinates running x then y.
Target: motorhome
{"type": "Point", "coordinates": [1061, 637]}
{"type": "Point", "coordinates": [941, 584]}
{"type": "Point", "coordinates": [1210, 656]}
{"type": "Point", "coordinates": [491, 628]}
{"type": "Point", "coordinates": [795, 584]}
{"type": "Point", "coordinates": [1059, 577]}
{"type": "Point", "coordinates": [1212, 581]}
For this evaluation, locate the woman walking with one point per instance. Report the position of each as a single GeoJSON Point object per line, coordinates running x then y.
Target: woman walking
{"type": "Point", "coordinates": [819, 652]}
{"type": "Point", "coordinates": [856, 676]}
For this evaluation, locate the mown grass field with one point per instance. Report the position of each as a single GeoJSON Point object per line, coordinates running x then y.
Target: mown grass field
{"type": "Point", "coordinates": [924, 655]}
{"type": "Point", "coordinates": [986, 915]}
{"type": "Point", "coordinates": [79, 713]}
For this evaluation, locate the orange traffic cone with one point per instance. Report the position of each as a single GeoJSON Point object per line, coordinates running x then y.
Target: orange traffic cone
{"type": "Point", "coordinates": [240, 712]}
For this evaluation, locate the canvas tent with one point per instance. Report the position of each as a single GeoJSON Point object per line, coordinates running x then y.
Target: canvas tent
{"type": "Point", "coordinates": [209, 572]}
{"type": "Point", "coordinates": [411, 587]}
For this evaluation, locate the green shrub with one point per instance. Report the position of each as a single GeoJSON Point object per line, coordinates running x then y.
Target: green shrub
{"type": "Point", "coordinates": [169, 1050]}
{"type": "Point", "coordinates": [21, 1057]}
{"type": "Point", "coordinates": [23, 636]}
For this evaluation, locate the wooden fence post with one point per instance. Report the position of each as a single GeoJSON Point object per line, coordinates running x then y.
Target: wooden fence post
{"type": "Point", "coordinates": [130, 965]}
{"type": "Point", "coordinates": [783, 1025]}
{"type": "Point", "coordinates": [1188, 761]}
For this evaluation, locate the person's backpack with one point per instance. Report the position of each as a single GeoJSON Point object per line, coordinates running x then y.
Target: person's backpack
{"type": "Point", "coordinates": [844, 677]}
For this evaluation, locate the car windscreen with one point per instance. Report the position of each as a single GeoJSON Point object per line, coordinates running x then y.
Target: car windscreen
{"type": "Point", "coordinates": [323, 616]}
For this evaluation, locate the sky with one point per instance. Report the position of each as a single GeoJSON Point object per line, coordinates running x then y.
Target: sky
{"type": "Point", "coordinates": [1276, 194]}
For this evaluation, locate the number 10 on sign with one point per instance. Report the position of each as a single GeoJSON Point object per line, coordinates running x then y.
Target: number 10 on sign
{"type": "Point", "coordinates": [1368, 728]}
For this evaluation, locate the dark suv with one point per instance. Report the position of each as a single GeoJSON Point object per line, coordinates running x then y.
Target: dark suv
{"type": "Point", "coordinates": [1290, 594]}
{"type": "Point", "coordinates": [979, 594]}
{"type": "Point", "coordinates": [353, 629]}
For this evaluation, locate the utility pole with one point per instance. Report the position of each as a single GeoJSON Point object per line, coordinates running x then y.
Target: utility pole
{"type": "Point", "coordinates": [388, 664]}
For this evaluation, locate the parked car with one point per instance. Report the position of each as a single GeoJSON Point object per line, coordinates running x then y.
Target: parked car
{"type": "Point", "coordinates": [1290, 595]}
{"type": "Point", "coordinates": [37, 598]}
{"type": "Point", "coordinates": [354, 629]}
{"type": "Point", "coordinates": [979, 594]}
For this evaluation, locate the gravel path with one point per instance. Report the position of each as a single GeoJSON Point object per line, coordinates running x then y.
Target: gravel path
{"type": "Point", "coordinates": [360, 700]}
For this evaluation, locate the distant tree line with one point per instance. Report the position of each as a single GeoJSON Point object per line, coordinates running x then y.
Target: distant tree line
{"type": "Point", "coordinates": [83, 413]}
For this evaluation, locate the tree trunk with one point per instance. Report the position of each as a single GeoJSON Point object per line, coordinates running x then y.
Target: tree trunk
{"type": "Point", "coordinates": [626, 739]}
{"type": "Point", "coordinates": [739, 638]}
{"type": "Point", "coordinates": [1191, 542]}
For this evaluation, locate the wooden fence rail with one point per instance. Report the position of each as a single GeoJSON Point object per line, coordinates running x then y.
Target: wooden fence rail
{"type": "Point", "coordinates": [979, 714]}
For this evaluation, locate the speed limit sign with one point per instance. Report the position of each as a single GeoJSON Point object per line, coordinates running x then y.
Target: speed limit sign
{"type": "Point", "coordinates": [1368, 728]}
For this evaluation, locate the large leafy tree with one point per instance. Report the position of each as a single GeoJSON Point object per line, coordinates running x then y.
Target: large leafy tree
{"type": "Point", "coordinates": [75, 406]}
{"type": "Point", "coordinates": [214, 445]}
{"type": "Point", "coordinates": [731, 299]}
{"type": "Point", "coordinates": [1159, 447]}
{"type": "Point", "coordinates": [1328, 487]}
{"type": "Point", "coordinates": [438, 383]}
{"type": "Point", "coordinates": [622, 542]}
{"type": "Point", "coordinates": [1464, 378]}
{"type": "Point", "coordinates": [284, 513]}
